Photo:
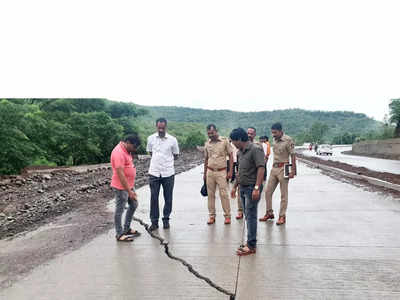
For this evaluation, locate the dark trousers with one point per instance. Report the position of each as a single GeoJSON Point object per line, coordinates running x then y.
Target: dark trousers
{"type": "Point", "coordinates": [265, 173]}
{"type": "Point", "coordinates": [250, 208]}
{"type": "Point", "coordinates": [167, 184]}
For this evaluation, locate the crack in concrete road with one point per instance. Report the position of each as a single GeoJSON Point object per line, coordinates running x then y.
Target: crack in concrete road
{"type": "Point", "coordinates": [164, 243]}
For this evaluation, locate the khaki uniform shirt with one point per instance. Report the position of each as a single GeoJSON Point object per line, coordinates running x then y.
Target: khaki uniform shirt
{"type": "Point", "coordinates": [216, 152]}
{"type": "Point", "coordinates": [283, 148]}
{"type": "Point", "coordinates": [250, 159]}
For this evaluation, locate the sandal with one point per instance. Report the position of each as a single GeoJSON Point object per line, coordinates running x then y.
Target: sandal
{"type": "Point", "coordinates": [132, 232]}
{"type": "Point", "coordinates": [241, 251]}
{"type": "Point", "coordinates": [124, 238]}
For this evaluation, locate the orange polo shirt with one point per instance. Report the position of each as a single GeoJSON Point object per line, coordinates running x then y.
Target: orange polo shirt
{"type": "Point", "coordinates": [121, 158]}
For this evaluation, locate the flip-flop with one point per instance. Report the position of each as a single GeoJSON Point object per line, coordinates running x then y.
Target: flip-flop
{"type": "Point", "coordinates": [134, 233]}
{"type": "Point", "coordinates": [126, 239]}
{"type": "Point", "coordinates": [241, 252]}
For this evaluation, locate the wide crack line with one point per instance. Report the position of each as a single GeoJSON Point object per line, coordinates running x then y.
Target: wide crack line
{"type": "Point", "coordinates": [185, 263]}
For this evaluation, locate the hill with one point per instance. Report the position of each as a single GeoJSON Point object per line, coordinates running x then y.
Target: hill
{"type": "Point", "coordinates": [296, 122]}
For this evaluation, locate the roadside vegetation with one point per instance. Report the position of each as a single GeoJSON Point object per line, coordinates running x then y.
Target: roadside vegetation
{"type": "Point", "coordinates": [338, 127]}
{"type": "Point", "coordinates": [66, 132]}
{"type": "Point", "coordinates": [59, 132]}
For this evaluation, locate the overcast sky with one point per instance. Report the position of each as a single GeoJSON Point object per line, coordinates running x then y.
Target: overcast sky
{"type": "Point", "coordinates": [239, 55]}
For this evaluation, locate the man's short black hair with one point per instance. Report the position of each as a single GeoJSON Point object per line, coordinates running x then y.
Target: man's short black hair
{"type": "Point", "coordinates": [239, 134]}
{"type": "Point", "coordinates": [133, 139]}
{"type": "Point", "coordinates": [161, 120]}
{"type": "Point", "coordinates": [277, 126]}
{"type": "Point", "coordinates": [266, 138]}
{"type": "Point", "coordinates": [209, 126]}
{"type": "Point", "coordinates": [255, 130]}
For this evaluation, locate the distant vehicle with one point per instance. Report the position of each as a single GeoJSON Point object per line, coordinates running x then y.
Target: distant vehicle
{"type": "Point", "coordinates": [325, 149]}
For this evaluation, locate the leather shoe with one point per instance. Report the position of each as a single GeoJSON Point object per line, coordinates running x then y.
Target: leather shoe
{"type": "Point", "coordinates": [267, 217]}
{"type": "Point", "coordinates": [211, 221]}
{"type": "Point", "coordinates": [281, 220]}
{"type": "Point", "coordinates": [153, 227]}
{"type": "Point", "coordinates": [239, 216]}
{"type": "Point", "coordinates": [166, 225]}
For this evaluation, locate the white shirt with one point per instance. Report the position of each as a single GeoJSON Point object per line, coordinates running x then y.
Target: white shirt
{"type": "Point", "coordinates": [163, 151]}
{"type": "Point", "coordinates": [265, 148]}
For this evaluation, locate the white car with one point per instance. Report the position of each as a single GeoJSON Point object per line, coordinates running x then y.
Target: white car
{"type": "Point", "coordinates": [324, 149]}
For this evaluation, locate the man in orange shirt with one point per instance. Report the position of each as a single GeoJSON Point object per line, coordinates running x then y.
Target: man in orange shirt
{"type": "Point", "coordinates": [123, 182]}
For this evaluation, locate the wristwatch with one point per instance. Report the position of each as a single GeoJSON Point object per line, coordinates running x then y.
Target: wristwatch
{"type": "Point", "coordinates": [256, 187]}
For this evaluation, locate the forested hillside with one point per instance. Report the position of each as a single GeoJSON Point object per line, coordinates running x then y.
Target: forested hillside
{"type": "Point", "coordinates": [297, 122]}
{"type": "Point", "coordinates": [59, 132]}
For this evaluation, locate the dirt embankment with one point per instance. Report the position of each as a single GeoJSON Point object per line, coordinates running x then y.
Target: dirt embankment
{"type": "Point", "coordinates": [33, 199]}
{"type": "Point", "coordinates": [389, 177]}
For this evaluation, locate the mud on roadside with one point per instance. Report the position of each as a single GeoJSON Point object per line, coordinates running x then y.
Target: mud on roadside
{"type": "Point", "coordinates": [389, 177]}
{"type": "Point", "coordinates": [34, 199]}
{"type": "Point", "coordinates": [361, 183]}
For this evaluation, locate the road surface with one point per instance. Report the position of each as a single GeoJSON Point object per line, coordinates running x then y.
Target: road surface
{"type": "Point", "coordinates": [340, 242]}
{"type": "Point", "coordinates": [374, 164]}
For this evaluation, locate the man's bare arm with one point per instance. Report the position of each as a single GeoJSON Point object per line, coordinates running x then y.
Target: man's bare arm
{"type": "Point", "coordinates": [124, 183]}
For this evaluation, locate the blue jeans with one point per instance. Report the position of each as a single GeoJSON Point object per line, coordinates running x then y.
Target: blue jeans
{"type": "Point", "coordinates": [168, 186]}
{"type": "Point", "coordinates": [250, 208]}
{"type": "Point", "coordinates": [121, 197]}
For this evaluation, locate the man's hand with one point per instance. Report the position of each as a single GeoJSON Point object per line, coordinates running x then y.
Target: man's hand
{"type": "Point", "coordinates": [255, 195]}
{"type": "Point", "coordinates": [132, 195]}
{"type": "Point", "coordinates": [233, 193]}
{"type": "Point", "coordinates": [291, 174]}
{"type": "Point", "coordinates": [229, 175]}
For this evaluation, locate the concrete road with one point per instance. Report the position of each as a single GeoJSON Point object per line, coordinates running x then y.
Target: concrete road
{"type": "Point", "coordinates": [375, 164]}
{"type": "Point", "coordinates": [340, 242]}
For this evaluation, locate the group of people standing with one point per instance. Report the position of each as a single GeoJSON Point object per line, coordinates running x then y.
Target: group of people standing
{"type": "Point", "coordinates": [252, 158]}
{"type": "Point", "coordinates": [223, 156]}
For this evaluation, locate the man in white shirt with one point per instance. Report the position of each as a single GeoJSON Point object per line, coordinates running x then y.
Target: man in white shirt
{"type": "Point", "coordinates": [163, 149]}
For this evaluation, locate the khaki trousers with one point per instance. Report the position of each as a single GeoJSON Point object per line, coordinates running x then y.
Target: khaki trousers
{"type": "Point", "coordinates": [214, 179]}
{"type": "Point", "coordinates": [277, 176]}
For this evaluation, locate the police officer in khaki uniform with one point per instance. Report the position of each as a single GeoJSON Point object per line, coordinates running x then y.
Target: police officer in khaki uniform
{"type": "Point", "coordinates": [283, 150]}
{"type": "Point", "coordinates": [215, 172]}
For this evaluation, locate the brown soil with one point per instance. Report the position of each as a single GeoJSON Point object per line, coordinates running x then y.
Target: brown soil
{"type": "Point", "coordinates": [389, 177]}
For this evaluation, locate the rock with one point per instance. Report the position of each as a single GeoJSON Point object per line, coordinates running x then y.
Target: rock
{"type": "Point", "coordinates": [9, 209]}
{"type": "Point", "coordinates": [40, 191]}
{"type": "Point", "coordinates": [27, 206]}
{"type": "Point", "coordinates": [46, 176]}
{"type": "Point", "coordinates": [84, 187]}
{"type": "Point", "coordinates": [10, 218]}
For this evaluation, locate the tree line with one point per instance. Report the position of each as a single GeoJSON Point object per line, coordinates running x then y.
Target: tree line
{"type": "Point", "coordinates": [58, 132]}
{"type": "Point", "coordinates": [337, 127]}
{"type": "Point", "coordinates": [390, 128]}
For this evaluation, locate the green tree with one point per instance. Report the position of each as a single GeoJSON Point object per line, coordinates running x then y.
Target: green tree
{"type": "Point", "coordinates": [17, 150]}
{"type": "Point", "coordinates": [394, 107]}
{"type": "Point", "coordinates": [122, 109]}
{"type": "Point", "coordinates": [195, 138]}
{"type": "Point", "coordinates": [318, 131]}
